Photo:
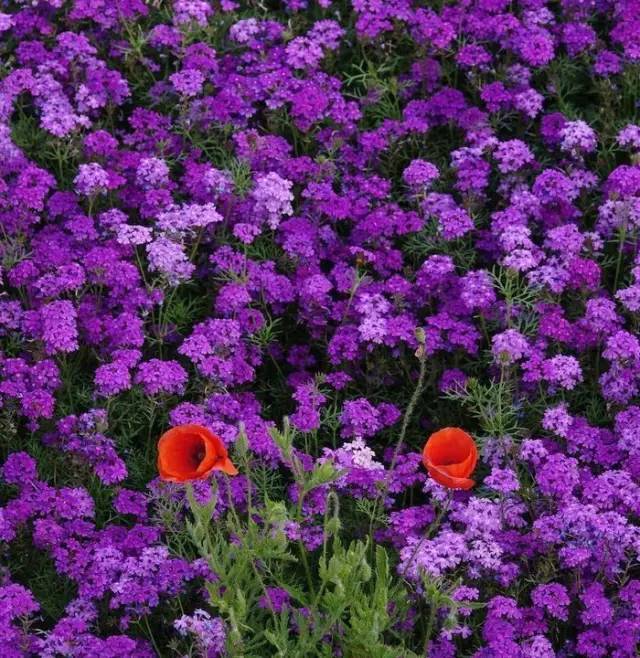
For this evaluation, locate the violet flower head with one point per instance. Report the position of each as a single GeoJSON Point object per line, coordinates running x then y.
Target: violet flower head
{"type": "Point", "coordinates": [359, 419]}
{"type": "Point", "coordinates": [208, 632]}
{"type": "Point", "coordinates": [420, 174]}
{"type": "Point", "coordinates": [509, 347]}
{"type": "Point", "coordinates": [169, 259]}
{"type": "Point", "coordinates": [273, 197]}
{"type": "Point", "coordinates": [578, 138]}
{"type": "Point", "coordinates": [92, 179]}
{"type": "Point", "coordinates": [156, 376]}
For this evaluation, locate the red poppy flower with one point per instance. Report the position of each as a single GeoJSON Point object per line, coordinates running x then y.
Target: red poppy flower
{"type": "Point", "coordinates": [191, 452]}
{"type": "Point", "coordinates": [450, 456]}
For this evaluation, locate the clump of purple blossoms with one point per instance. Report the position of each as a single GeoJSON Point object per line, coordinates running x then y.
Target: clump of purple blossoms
{"type": "Point", "coordinates": [273, 197]}
{"type": "Point", "coordinates": [373, 219]}
{"type": "Point", "coordinates": [208, 633]}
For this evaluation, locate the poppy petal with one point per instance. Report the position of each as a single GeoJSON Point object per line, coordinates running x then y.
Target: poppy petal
{"type": "Point", "coordinates": [226, 466]}
{"type": "Point", "coordinates": [211, 456]}
{"type": "Point", "coordinates": [463, 468]}
{"type": "Point", "coordinates": [191, 452]}
{"type": "Point", "coordinates": [450, 455]}
{"type": "Point", "coordinates": [176, 453]}
{"type": "Point", "coordinates": [448, 446]}
{"type": "Point", "coordinates": [450, 481]}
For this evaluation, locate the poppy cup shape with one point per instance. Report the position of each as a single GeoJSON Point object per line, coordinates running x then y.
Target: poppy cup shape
{"type": "Point", "coordinates": [450, 455]}
{"type": "Point", "coordinates": [191, 452]}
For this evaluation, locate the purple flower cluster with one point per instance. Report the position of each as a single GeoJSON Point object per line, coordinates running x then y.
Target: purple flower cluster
{"type": "Point", "coordinates": [224, 214]}
{"type": "Point", "coordinates": [126, 568]}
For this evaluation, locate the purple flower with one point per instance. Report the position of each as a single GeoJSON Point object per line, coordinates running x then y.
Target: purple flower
{"type": "Point", "coordinates": [219, 352]}
{"type": "Point", "coordinates": [557, 419]}
{"type": "Point", "coordinates": [59, 327]}
{"type": "Point", "coordinates": [131, 502]}
{"type": "Point", "coordinates": [454, 222]}
{"type": "Point", "coordinates": [128, 234]}
{"type": "Point", "coordinates": [156, 376]}
{"type": "Point", "coordinates": [420, 174]}
{"type": "Point", "coordinates": [622, 346]}
{"type": "Point", "coordinates": [553, 598]}
{"type": "Point", "coordinates": [187, 83]}
{"type": "Point", "coordinates": [578, 138]}
{"type": "Point", "coordinates": [152, 172]}
{"type": "Point", "coordinates": [83, 438]}
{"type": "Point", "coordinates": [186, 11]}
{"type": "Point", "coordinates": [112, 378]}
{"type": "Point", "coordinates": [512, 156]}
{"type": "Point", "coordinates": [5, 22]}
{"type": "Point", "coordinates": [359, 419]}
{"type": "Point", "coordinates": [607, 63]}
{"type": "Point", "coordinates": [169, 259]}
{"type": "Point", "coordinates": [597, 607]}
{"type": "Point", "coordinates": [273, 197]}
{"type": "Point", "coordinates": [19, 469]}
{"type": "Point", "coordinates": [503, 480]}
{"type": "Point", "coordinates": [563, 371]}
{"type": "Point", "coordinates": [188, 218]}
{"type": "Point", "coordinates": [509, 347]}
{"type": "Point", "coordinates": [558, 476]}
{"type": "Point", "coordinates": [208, 632]}
{"type": "Point", "coordinates": [306, 418]}
{"type": "Point", "coordinates": [91, 179]}
{"type": "Point", "coordinates": [276, 599]}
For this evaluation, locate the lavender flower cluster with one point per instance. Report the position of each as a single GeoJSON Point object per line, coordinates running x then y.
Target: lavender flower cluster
{"type": "Point", "coordinates": [222, 213]}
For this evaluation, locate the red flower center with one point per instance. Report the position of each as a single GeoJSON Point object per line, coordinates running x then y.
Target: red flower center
{"type": "Point", "coordinates": [198, 454]}
{"type": "Point", "coordinates": [191, 452]}
{"type": "Point", "coordinates": [187, 453]}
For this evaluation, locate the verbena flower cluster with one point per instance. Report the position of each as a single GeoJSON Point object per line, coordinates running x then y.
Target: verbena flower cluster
{"type": "Point", "coordinates": [227, 213]}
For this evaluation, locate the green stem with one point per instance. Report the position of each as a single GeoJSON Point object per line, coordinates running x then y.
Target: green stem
{"type": "Point", "coordinates": [623, 237]}
{"type": "Point", "coordinates": [403, 432]}
{"type": "Point", "coordinates": [485, 331]}
{"type": "Point", "coordinates": [430, 622]}
{"type": "Point", "coordinates": [336, 515]}
{"type": "Point", "coordinates": [440, 515]}
{"type": "Point", "coordinates": [409, 412]}
{"type": "Point", "coordinates": [303, 550]}
{"type": "Point", "coordinates": [151, 637]}
{"type": "Point", "coordinates": [235, 634]}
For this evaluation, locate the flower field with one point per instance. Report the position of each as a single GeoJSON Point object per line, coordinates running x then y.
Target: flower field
{"type": "Point", "coordinates": [319, 328]}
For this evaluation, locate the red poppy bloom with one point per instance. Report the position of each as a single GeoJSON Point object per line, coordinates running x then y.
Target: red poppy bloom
{"type": "Point", "coordinates": [450, 456]}
{"type": "Point", "coordinates": [191, 452]}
